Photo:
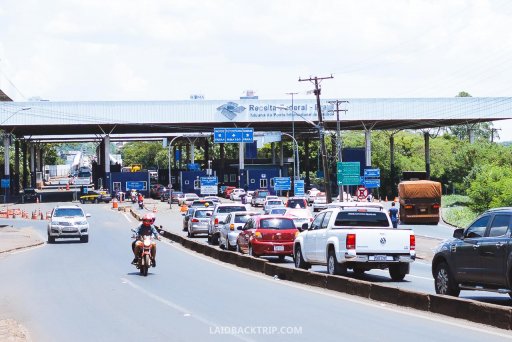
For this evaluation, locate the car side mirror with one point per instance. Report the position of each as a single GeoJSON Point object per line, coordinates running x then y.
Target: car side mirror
{"type": "Point", "coordinates": [303, 227]}
{"type": "Point", "coordinates": [239, 228]}
{"type": "Point", "coordinates": [458, 233]}
{"type": "Point", "coordinates": [87, 215]}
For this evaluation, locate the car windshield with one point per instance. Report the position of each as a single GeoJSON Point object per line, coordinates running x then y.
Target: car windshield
{"type": "Point", "coordinates": [202, 213]}
{"type": "Point", "coordinates": [278, 211]}
{"type": "Point", "coordinates": [363, 219]}
{"type": "Point", "coordinates": [63, 212]}
{"type": "Point", "coordinates": [201, 203]}
{"type": "Point", "coordinates": [296, 203]}
{"type": "Point", "coordinates": [242, 218]}
{"type": "Point", "coordinates": [225, 210]}
{"type": "Point", "coordinates": [84, 174]}
{"type": "Point", "coordinates": [263, 194]}
{"type": "Point", "coordinates": [277, 223]}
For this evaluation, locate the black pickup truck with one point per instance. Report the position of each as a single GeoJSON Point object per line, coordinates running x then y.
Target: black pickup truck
{"type": "Point", "coordinates": [478, 257]}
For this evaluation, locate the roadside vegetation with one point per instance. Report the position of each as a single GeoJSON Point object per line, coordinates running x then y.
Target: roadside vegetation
{"type": "Point", "coordinates": [456, 210]}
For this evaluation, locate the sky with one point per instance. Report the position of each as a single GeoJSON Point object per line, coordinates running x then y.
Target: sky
{"type": "Point", "coordinates": [87, 50]}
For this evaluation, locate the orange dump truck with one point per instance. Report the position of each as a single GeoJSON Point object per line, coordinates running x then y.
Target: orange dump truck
{"type": "Point", "coordinates": [420, 201]}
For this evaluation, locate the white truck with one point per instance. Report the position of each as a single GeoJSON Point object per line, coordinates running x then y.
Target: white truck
{"type": "Point", "coordinates": [357, 238]}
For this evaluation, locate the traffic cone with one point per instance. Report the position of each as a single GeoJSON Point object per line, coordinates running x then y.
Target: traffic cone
{"type": "Point", "coordinates": [114, 203]}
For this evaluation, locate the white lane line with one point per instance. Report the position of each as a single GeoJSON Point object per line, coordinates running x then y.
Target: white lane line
{"type": "Point", "coordinates": [127, 218]}
{"type": "Point", "coordinates": [409, 275]}
{"type": "Point", "coordinates": [456, 322]}
{"type": "Point", "coordinates": [182, 310]}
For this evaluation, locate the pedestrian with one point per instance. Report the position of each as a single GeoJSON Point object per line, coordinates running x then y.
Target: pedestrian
{"type": "Point", "coordinates": [393, 214]}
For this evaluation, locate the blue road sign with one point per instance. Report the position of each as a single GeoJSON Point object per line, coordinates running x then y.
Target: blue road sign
{"type": "Point", "coordinates": [282, 183]}
{"type": "Point", "coordinates": [298, 188]}
{"type": "Point", "coordinates": [6, 183]}
{"type": "Point", "coordinates": [371, 183]}
{"type": "Point", "coordinates": [136, 185]}
{"type": "Point", "coordinates": [233, 135]}
{"type": "Point", "coordinates": [209, 185]}
{"type": "Point", "coordinates": [372, 173]}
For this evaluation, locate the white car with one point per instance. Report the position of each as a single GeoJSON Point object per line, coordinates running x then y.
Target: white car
{"type": "Point", "coordinates": [271, 197]}
{"type": "Point", "coordinates": [68, 221]}
{"type": "Point", "coordinates": [311, 195]}
{"type": "Point", "coordinates": [272, 203]}
{"type": "Point", "coordinates": [188, 198]}
{"type": "Point", "coordinates": [236, 193]}
{"type": "Point", "coordinates": [299, 216]}
{"type": "Point", "coordinates": [357, 238]}
{"type": "Point", "coordinates": [320, 202]}
{"type": "Point", "coordinates": [249, 196]}
{"type": "Point", "coordinates": [232, 227]}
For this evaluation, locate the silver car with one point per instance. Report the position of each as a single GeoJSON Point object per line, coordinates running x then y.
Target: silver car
{"type": "Point", "coordinates": [231, 228]}
{"type": "Point", "coordinates": [198, 222]}
{"type": "Point", "coordinates": [68, 221]}
{"type": "Point", "coordinates": [272, 203]}
{"type": "Point", "coordinates": [220, 213]}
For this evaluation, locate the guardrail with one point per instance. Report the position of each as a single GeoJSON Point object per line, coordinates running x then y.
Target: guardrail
{"type": "Point", "coordinates": [490, 314]}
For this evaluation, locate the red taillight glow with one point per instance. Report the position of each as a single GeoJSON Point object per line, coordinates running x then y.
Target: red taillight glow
{"type": "Point", "coordinates": [408, 207]}
{"type": "Point", "coordinates": [351, 241]}
{"type": "Point", "coordinates": [412, 242]}
{"type": "Point", "coordinates": [435, 206]}
{"type": "Point", "coordinates": [216, 221]}
{"type": "Point", "coordinates": [195, 220]}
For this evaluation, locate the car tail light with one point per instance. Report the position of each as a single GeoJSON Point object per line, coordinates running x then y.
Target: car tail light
{"type": "Point", "coordinates": [408, 206]}
{"type": "Point", "coordinates": [297, 233]}
{"type": "Point", "coordinates": [412, 242]}
{"type": "Point", "coordinates": [195, 220]}
{"type": "Point", "coordinates": [258, 235]}
{"type": "Point", "coordinates": [216, 221]}
{"type": "Point", "coordinates": [231, 226]}
{"type": "Point", "coordinates": [435, 206]}
{"type": "Point", "coordinates": [351, 241]}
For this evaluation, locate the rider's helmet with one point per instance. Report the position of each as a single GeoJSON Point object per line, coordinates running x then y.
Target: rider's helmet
{"type": "Point", "coordinates": [153, 217]}
{"type": "Point", "coordinates": [147, 220]}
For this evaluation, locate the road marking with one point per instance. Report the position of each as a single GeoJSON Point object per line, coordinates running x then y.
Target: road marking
{"type": "Point", "coordinates": [127, 218]}
{"type": "Point", "coordinates": [184, 311]}
{"type": "Point", "coordinates": [463, 324]}
{"type": "Point", "coordinates": [409, 275]}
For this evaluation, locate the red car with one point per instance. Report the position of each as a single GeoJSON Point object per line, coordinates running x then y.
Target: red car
{"type": "Point", "coordinates": [228, 191]}
{"type": "Point", "coordinates": [267, 235]}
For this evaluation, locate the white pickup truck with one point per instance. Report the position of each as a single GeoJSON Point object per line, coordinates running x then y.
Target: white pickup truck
{"type": "Point", "coordinates": [357, 238]}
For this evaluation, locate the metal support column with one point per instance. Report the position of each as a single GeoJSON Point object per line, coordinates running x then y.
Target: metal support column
{"type": "Point", "coordinates": [426, 136]}
{"type": "Point", "coordinates": [368, 146]}
{"type": "Point", "coordinates": [7, 163]}
{"type": "Point", "coordinates": [32, 165]}
{"type": "Point", "coordinates": [16, 166]}
{"type": "Point", "coordinates": [106, 151]}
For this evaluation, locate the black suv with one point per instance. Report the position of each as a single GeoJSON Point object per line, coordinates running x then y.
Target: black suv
{"type": "Point", "coordinates": [29, 195]}
{"type": "Point", "coordinates": [478, 257]}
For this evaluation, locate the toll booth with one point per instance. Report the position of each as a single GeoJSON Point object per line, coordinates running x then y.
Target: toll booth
{"type": "Point", "coordinates": [126, 181]}
{"type": "Point", "coordinates": [190, 181]}
{"type": "Point", "coordinates": [260, 177]}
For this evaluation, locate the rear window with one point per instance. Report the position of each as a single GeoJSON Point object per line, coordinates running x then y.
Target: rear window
{"type": "Point", "coordinates": [225, 210]}
{"type": "Point", "coordinates": [201, 204]}
{"type": "Point", "coordinates": [63, 212]}
{"type": "Point", "coordinates": [278, 211]}
{"type": "Point", "coordinates": [242, 218]}
{"type": "Point", "coordinates": [276, 223]}
{"type": "Point", "coordinates": [361, 219]}
{"type": "Point", "coordinates": [84, 174]}
{"type": "Point", "coordinates": [263, 194]}
{"type": "Point", "coordinates": [274, 203]}
{"type": "Point", "coordinates": [293, 203]}
{"type": "Point", "coordinates": [202, 213]}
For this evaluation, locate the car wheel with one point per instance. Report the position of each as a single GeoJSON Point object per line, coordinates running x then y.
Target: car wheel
{"type": "Point", "coordinates": [51, 239]}
{"type": "Point", "coordinates": [95, 200]}
{"type": "Point", "coordinates": [82, 201]}
{"type": "Point", "coordinates": [444, 282]}
{"type": "Point", "coordinates": [84, 239]}
{"type": "Point", "coordinates": [333, 267]}
{"type": "Point", "coordinates": [215, 239]}
{"type": "Point", "coordinates": [397, 272]}
{"type": "Point", "coordinates": [299, 260]}
{"type": "Point", "coordinates": [188, 233]}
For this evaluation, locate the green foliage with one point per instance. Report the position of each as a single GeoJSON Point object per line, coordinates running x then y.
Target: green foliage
{"type": "Point", "coordinates": [144, 153]}
{"type": "Point", "coordinates": [454, 200]}
{"type": "Point", "coordinates": [459, 216]}
{"type": "Point", "coordinates": [490, 187]}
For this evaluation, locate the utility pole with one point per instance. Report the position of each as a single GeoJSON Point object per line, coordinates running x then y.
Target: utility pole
{"type": "Point", "coordinates": [321, 131]}
{"type": "Point", "coordinates": [338, 138]}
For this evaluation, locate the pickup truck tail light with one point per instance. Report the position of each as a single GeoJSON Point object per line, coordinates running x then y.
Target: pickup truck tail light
{"type": "Point", "coordinates": [351, 241]}
{"type": "Point", "coordinates": [408, 206]}
{"type": "Point", "coordinates": [216, 221]}
{"type": "Point", "coordinates": [194, 220]}
{"type": "Point", "coordinates": [435, 206]}
{"type": "Point", "coordinates": [412, 242]}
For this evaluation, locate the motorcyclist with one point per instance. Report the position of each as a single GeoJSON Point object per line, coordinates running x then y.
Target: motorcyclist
{"type": "Point", "coordinates": [145, 228]}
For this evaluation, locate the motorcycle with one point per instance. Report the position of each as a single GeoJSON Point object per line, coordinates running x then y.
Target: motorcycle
{"type": "Point", "coordinates": [134, 198]}
{"type": "Point", "coordinates": [145, 261]}
{"type": "Point", "coordinates": [141, 204]}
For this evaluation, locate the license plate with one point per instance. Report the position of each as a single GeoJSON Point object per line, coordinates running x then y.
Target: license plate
{"type": "Point", "coordinates": [380, 257]}
{"type": "Point", "coordinates": [422, 210]}
{"type": "Point", "coordinates": [278, 248]}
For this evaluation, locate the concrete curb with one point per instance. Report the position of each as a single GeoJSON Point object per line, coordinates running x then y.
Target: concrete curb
{"type": "Point", "coordinates": [22, 247]}
{"type": "Point", "coordinates": [489, 314]}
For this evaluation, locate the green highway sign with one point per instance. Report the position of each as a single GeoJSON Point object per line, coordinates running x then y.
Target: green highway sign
{"type": "Point", "coordinates": [349, 180]}
{"type": "Point", "coordinates": [348, 168]}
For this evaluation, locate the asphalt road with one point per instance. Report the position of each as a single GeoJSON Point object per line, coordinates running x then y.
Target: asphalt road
{"type": "Point", "coordinates": [70, 291]}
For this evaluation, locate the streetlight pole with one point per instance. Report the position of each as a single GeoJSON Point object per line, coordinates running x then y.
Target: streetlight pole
{"type": "Point", "coordinates": [338, 137]}
{"type": "Point", "coordinates": [296, 153]}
